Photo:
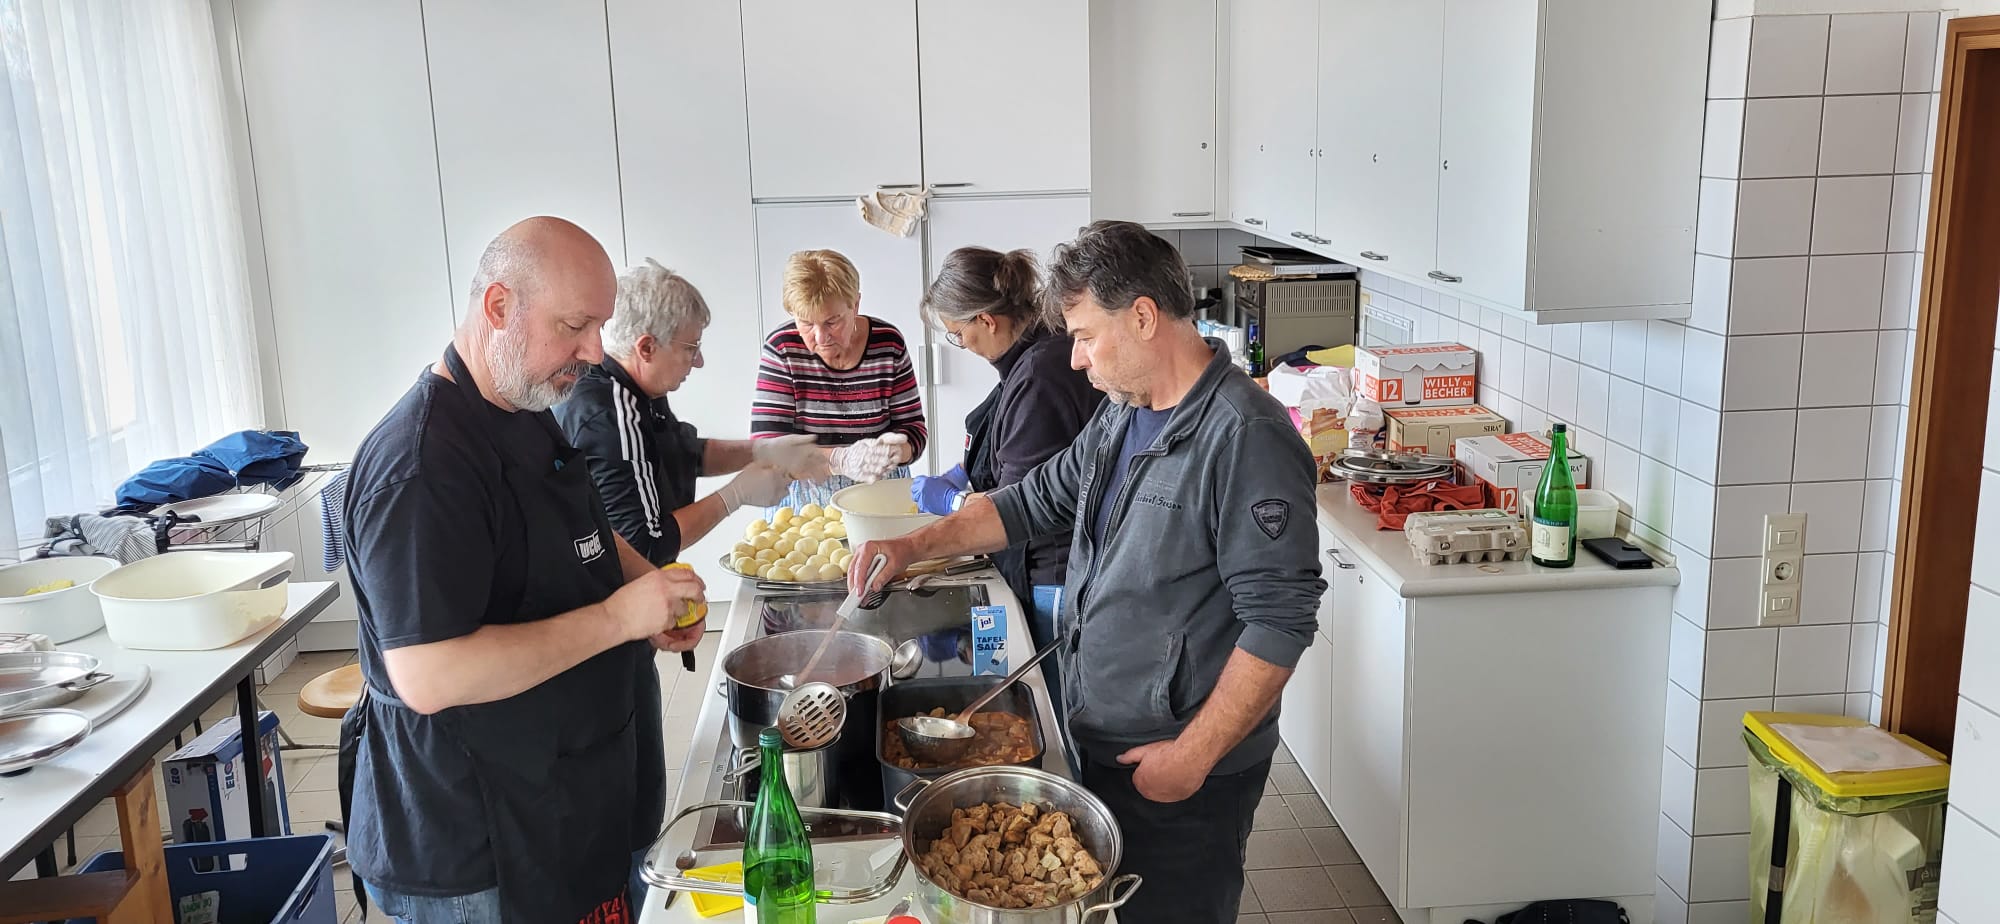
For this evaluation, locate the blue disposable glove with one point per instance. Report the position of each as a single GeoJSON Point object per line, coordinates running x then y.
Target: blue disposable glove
{"type": "Point", "coordinates": [958, 477]}
{"type": "Point", "coordinates": [935, 494]}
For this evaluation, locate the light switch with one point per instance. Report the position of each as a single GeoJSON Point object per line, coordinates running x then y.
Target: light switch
{"type": "Point", "coordinates": [1781, 608]}
{"type": "Point", "coordinates": [1784, 569]}
{"type": "Point", "coordinates": [1784, 532]}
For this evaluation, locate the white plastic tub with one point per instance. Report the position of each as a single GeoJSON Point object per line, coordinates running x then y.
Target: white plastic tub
{"type": "Point", "coordinates": [62, 615]}
{"type": "Point", "coordinates": [193, 601]}
{"type": "Point", "coordinates": [1596, 514]}
{"type": "Point", "coordinates": [882, 510]}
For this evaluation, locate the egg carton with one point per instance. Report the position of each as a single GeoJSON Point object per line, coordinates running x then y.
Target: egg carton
{"type": "Point", "coordinates": [1466, 536]}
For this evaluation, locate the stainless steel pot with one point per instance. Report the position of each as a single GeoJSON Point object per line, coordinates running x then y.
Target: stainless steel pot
{"type": "Point", "coordinates": [759, 673]}
{"type": "Point", "coordinates": [41, 679]}
{"type": "Point", "coordinates": [927, 805]}
{"type": "Point", "coordinates": [809, 773]}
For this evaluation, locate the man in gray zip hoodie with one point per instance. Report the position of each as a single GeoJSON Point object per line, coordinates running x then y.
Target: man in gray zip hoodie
{"type": "Point", "coordinates": [1193, 584]}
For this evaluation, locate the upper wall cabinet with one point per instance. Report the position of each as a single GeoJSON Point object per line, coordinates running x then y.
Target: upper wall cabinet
{"type": "Point", "coordinates": [1006, 95]}
{"type": "Point", "coordinates": [1273, 91]}
{"type": "Point", "coordinates": [1152, 118]}
{"type": "Point", "coordinates": [1536, 155]}
{"type": "Point", "coordinates": [849, 96]}
{"type": "Point", "coordinates": [549, 69]}
{"type": "Point", "coordinates": [832, 91]}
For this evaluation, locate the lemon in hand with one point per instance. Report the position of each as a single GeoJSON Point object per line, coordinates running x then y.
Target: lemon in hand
{"type": "Point", "coordinates": [697, 610]}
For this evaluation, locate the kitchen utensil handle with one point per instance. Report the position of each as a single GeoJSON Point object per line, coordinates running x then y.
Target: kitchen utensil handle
{"type": "Point", "coordinates": [1443, 276]}
{"type": "Point", "coordinates": [86, 681]}
{"type": "Point", "coordinates": [1339, 562]}
{"type": "Point", "coordinates": [1010, 680]}
{"type": "Point", "coordinates": [1113, 898]}
{"type": "Point", "coordinates": [687, 660]}
{"type": "Point", "coordinates": [908, 793]}
{"type": "Point", "coordinates": [747, 759]}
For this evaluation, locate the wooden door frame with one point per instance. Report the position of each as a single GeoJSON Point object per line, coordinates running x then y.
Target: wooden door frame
{"type": "Point", "coordinates": [1950, 372]}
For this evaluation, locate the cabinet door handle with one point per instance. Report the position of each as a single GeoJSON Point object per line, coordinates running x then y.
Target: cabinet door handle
{"type": "Point", "coordinates": [1301, 235]}
{"type": "Point", "coordinates": [950, 185]}
{"type": "Point", "coordinates": [1259, 222]}
{"type": "Point", "coordinates": [1372, 255]}
{"type": "Point", "coordinates": [898, 185]}
{"type": "Point", "coordinates": [1339, 562]}
{"type": "Point", "coordinates": [1192, 214]}
{"type": "Point", "coordinates": [1319, 240]}
{"type": "Point", "coordinates": [1443, 276]}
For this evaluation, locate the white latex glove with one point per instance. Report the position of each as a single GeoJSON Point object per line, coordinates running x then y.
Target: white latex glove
{"type": "Point", "coordinates": [871, 459]}
{"type": "Point", "coordinates": [797, 455]}
{"type": "Point", "coordinates": [757, 485]}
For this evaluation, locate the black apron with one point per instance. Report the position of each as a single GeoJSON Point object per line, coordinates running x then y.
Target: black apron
{"type": "Point", "coordinates": [982, 471]}
{"type": "Point", "coordinates": [554, 764]}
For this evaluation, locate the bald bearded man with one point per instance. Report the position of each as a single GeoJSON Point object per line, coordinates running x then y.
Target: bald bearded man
{"type": "Point", "coordinates": [504, 623]}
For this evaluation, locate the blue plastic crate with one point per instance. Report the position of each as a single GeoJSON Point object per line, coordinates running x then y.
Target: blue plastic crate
{"type": "Point", "coordinates": [283, 880]}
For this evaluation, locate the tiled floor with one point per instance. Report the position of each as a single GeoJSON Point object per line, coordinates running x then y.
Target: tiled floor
{"type": "Point", "coordinates": [1301, 868]}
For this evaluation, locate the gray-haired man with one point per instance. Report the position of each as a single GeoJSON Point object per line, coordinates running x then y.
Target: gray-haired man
{"type": "Point", "coordinates": [1193, 583]}
{"type": "Point", "coordinates": [644, 461]}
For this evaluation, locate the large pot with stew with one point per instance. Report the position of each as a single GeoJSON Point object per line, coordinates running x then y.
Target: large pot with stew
{"type": "Point", "coordinates": [1058, 848]}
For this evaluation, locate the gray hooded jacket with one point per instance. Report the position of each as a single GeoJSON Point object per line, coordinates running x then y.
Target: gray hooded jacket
{"type": "Point", "coordinates": [1210, 547]}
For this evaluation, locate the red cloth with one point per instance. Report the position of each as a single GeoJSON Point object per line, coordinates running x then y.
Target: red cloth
{"type": "Point", "coordinates": [615, 911]}
{"type": "Point", "coordinates": [1398, 501]}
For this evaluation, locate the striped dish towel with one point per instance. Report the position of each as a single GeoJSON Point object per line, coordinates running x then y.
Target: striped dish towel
{"type": "Point", "coordinates": [332, 501]}
{"type": "Point", "coordinates": [821, 492]}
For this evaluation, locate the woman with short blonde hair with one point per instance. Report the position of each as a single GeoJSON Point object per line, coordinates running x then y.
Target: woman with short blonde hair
{"type": "Point", "coordinates": [839, 375]}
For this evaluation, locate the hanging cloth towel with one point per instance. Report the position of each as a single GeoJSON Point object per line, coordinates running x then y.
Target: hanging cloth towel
{"type": "Point", "coordinates": [332, 503]}
{"type": "Point", "coordinates": [895, 211]}
{"type": "Point", "coordinates": [126, 538]}
{"type": "Point", "coordinates": [270, 457]}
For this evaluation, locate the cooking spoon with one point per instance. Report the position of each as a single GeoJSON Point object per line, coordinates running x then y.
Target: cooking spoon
{"type": "Point", "coordinates": [940, 740]}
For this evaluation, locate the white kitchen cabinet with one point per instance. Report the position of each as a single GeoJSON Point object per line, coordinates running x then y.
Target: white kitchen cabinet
{"type": "Point", "coordinates": [832, 93]}
{"type": "Point", "coordinates": [1380, 72]}
{"type": "Point", "coordinates": [1153, 110]}
{"type": "Point", "coordinates": [1486, 147]}
{"type": "Point", "coordinates": [1273, 94]}
{"type": "Point", "coordinates": [1005, 101]}
{"type": "Point", "coordinates": [960, 379]}
{"type": "Point", "coordinates": [891, 269]}
{"type": "Point", "coordinates": [348, 200]}
{"type": "Point", "coordinates": [522, 108]}
{"type": "Point", "coordinates": [1305, 712]}
{"type": "Point", "coordinates": [1494, 730]}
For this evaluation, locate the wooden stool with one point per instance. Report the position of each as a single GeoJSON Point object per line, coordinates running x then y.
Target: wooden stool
{"type": "Point", "coordinates": [331, 694]}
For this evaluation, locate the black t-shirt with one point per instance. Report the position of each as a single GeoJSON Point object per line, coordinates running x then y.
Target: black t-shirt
{"type": "Point", "coordinates": [435, 550]}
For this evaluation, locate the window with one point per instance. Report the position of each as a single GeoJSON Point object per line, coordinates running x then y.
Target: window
{"type": "Point", "coordinates": [126, 332]}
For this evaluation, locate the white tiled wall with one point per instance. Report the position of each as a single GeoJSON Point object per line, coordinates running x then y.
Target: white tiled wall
{"type": "Point", "coordinates": [1785, 391]}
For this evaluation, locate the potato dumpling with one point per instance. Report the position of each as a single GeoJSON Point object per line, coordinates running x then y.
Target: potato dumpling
{"type": "Point", "coordinates": [807, 544]}
{"type": "Point", "coordinates": [743, 550]}
{"type": "Point", "coordinates": [814, 561]}
{"type": "Point", "coordinates": [831, 572]}
{"type": "Point", "coordinates": [810, 511]}
{"type": "Point", "coordinates": [843, 554]}
{"type": "Point", "coordinates": [834, 514]}
{"type": "Point", "coordinates": [783, 516]}
{"type": "Point", "coordinates": [763, 541]}
{"type": "Point", "coordinates": [743, 564]}
{"type": "Point", "coordinates": [791, 534]}
{"type": "Point", "coordinates": [837, 531]}
{"type": "Point", "coordinates": [756, 527]}
{"type": "Point", "coordinates": [767, 555]}
{"type": "Point", "coordinates": [764, 571]}
{"type": "Point", "coordinates": [812, 531]}
{"type": "Point", "coordinates": [782, 573]}
{"type": "Point", "coordinates": [794, 558]}
{"type": "Point", "coordinates": [829, 546]}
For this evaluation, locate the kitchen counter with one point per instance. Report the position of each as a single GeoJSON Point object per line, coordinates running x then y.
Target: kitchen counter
{"type": "Point", "coordinates": [1387, 553]}
{"type": "Point", "coordinates": [701, 771]}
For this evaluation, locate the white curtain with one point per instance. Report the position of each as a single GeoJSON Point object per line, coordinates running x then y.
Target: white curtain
{"type": "Point", "coordinates": [126, 331]}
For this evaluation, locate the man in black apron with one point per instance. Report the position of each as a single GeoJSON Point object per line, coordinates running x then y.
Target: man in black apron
{"type": "Point", "coordinates": [503, 622]}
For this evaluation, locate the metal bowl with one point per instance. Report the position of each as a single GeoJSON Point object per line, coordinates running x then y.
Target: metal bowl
{"type": "Point", "coordinates": [29, 738]}
{"type": "Point", "coordinates": [40, 679]}
{"type": "Point", "coordinates": [927, 806]}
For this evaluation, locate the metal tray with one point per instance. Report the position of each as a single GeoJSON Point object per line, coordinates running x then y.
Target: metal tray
{"type": "Point", "coordinates": [862, 862]}
{"type": "Point", "coordinates": [29, 738]}
{"type": "Point", "coordinates": [954, 693]}
{"type": "Point", "coordinates": [768, 584]}
{"type": "Point", "coordinates": [40, 679]}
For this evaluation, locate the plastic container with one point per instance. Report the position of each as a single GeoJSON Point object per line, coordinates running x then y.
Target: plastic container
{"type": "Point", "coordinates": [1852, 815]}
{"type": "Point", "coordinates": [62, 615]}
{"type": "Point", "coordinates": [281, 879]}
{"type": "Point", "coordinates": [193, 601]}
{"type": "Point", "coordinates": [952, 693]}
{"type": "Point", "coordinates": [1596, 514]}
{"type": "Point", "coordinates": [879, 510]}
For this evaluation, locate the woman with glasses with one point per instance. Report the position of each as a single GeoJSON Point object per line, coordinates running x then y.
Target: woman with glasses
{"type": "Point", "coordinates": [988, 302]}
{"type": "Point", "coordinates": [839, 377]}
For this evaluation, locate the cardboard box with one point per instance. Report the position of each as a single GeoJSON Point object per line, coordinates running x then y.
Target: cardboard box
{"type": "Point", "coordinates": [1418, 375]}
{"type": "Point", "coordinates": [207, 796]}
{"type": "Point", "coordinates": [1509, 466]}
{"type": "Point", "coordinates": [1437, 430]}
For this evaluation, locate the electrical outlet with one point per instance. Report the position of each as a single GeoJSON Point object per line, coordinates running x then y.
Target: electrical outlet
{"type": "Point", "coordinates": [1784, 569]}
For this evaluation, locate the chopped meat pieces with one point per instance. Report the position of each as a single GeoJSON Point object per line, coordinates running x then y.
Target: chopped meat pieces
{"type": "Point", "coordinates": [1011, 856]}
{"type": "Point", "coordinates": [997, 738]}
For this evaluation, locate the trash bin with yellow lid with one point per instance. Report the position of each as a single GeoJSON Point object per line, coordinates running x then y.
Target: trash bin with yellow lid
{"type": "Point", "coordinates": [1846, 821]}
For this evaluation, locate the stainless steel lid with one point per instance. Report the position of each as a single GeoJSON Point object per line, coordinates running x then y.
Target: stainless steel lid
{"type": "Point", "coordinates": [34, 679]}
{"type": "Point", "coordinates": [29, 738]}
{"type": "Point", "coordinates": [1368, 466]}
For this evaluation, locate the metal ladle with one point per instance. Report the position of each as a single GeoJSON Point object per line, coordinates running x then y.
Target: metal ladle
{"type": "Point", "coordinates": [940, 741]}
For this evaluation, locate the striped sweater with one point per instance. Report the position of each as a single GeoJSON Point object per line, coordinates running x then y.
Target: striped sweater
{"type": "Point", "coordinates": [797, 392]}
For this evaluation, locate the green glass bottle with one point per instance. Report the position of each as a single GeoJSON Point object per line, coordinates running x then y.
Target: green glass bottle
{"type": "Point", "coordinates": [1552, 531]}
{"type": "Point", "coordinates": [777, 858]}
